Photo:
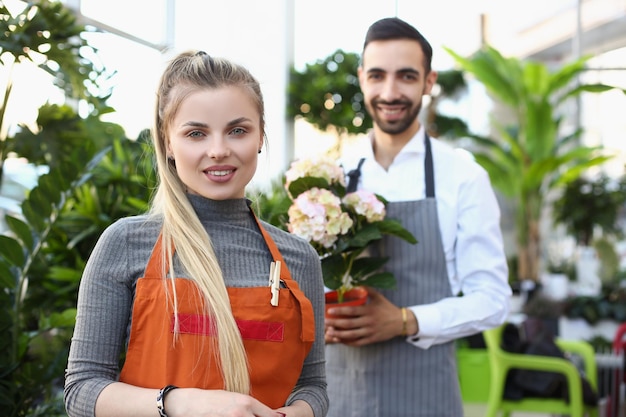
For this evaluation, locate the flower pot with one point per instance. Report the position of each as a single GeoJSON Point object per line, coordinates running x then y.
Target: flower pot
{"type": "Point", "coordinates": [354, 297]}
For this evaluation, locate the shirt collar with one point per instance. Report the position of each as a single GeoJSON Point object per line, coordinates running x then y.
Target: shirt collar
{"type": "Point", "coordinates": [415, 145]}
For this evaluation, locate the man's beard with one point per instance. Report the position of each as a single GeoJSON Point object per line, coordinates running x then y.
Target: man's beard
{"type": "Point", "coordinates": [397, 126]}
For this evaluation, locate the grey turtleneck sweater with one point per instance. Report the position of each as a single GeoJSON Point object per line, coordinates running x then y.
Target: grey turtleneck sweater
{"type": "Point", "coordinates": [105, 298]}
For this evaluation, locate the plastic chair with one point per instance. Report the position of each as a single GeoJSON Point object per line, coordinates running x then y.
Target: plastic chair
{"type": "Point", "coordinates": [501, 362]}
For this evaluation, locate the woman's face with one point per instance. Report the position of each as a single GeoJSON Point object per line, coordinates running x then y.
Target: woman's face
{"type": "Point", "coordinates": [214, 139]}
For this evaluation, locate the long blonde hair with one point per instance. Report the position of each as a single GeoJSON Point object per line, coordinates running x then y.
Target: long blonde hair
{"type": "Point", "coordinates": [186, 73]}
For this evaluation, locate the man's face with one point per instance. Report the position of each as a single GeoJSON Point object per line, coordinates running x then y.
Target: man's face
{"type": "Point", "coordinates": [393, 80]}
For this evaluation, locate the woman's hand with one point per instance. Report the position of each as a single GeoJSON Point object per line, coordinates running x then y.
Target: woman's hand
{"type": "Point", "coordinates": [119, 399]}
{"type": "Point", "coordinates": [194, 402]}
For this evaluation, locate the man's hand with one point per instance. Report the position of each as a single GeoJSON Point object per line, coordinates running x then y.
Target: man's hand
{"type": "Point", "coordinates": [376, 321]}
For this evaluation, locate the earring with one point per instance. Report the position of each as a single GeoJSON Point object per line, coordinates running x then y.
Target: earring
{"type": "Point", "coordinates": [259, 150]}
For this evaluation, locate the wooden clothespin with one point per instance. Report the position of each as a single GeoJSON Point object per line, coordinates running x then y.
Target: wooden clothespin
{"type": "Point", "coordinates": [274, 282]}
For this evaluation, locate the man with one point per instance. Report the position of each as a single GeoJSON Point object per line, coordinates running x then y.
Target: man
{"type": "Point", "coordinates": [395, 356]}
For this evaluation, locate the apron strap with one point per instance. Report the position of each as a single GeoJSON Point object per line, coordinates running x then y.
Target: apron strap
{"type": "Point", "coordinates": [353, 177]}
{"type": "Point", "coordinates": [284, 271]}
{"type": "Point", "coordinates": [155, 267]}
{"type": "Point", "coordinates": [429, 172]}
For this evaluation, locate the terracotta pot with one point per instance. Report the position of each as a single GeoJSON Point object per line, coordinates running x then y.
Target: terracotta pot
{"type": "Point", "coordinates": [354, 297]}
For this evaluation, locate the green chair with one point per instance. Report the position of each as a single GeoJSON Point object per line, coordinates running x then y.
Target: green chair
{"type": "Point", "coordinates": [501, 361]}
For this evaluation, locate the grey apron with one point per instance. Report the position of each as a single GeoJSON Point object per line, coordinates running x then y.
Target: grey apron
{"type": "Point", "coordinates": [395, 378]}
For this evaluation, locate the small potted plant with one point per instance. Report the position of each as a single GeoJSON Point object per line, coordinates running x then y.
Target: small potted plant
{"type": "Point", "coordinates": [590, 208]}
{"type": "Point", "coordinates": [340, 225]}
{"type": "Point", "coordinates": [589, 205]}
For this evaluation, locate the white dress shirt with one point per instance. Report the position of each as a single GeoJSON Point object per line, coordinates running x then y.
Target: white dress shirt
{"type": "Point", "coordinates": [469, 221]}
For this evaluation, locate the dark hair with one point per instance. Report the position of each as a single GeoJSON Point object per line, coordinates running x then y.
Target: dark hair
{"type": "Point", "coordinates": [391, 28]}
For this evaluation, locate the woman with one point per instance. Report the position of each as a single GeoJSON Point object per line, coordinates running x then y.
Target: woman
{"type": "Point", "coordinates": [182, 296]}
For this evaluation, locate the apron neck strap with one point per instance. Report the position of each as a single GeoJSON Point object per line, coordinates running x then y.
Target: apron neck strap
{"type": "Point", "coordinates": [284, 271]}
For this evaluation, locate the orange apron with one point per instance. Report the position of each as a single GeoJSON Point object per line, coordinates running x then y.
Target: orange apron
{"type": "Point", "coordinates": [276, 338]}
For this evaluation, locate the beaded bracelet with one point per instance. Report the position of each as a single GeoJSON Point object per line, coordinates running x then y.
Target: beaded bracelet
{"type": "Point", "coordinates": [161, 399]}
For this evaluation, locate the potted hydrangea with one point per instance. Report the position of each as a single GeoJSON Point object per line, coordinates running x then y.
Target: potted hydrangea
{"type": "Point", "coordinates": [340, 225]}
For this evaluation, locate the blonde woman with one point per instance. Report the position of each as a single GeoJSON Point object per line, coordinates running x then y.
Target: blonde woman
{"type": "Point", "coordinates": [181, 296]}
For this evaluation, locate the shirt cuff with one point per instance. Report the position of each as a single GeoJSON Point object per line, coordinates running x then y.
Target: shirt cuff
{"type": "Point", "coordinates": [429, 321]}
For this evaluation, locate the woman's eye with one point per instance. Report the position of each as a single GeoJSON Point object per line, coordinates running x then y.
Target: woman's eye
{"type": "Point", "coordinates": [195, 134]}
{"type": "Point", "coordinates": [238, 131]}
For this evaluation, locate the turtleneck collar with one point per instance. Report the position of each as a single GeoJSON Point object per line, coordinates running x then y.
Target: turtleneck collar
{"type": "Point", "coordinates": [219, 210]}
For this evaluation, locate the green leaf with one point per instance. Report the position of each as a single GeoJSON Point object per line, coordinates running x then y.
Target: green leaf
{"type": "Point", "coordinates": [333, 270]}
{"type": "Point", "coordinates": [303, 184]}
{"type": "Point", "coordinates": [21, 230]}
{"type": "Point", "coordinates": [394, 227]}
{"type": "Point", "coordinates": [7, 279]}
{"type": "Point", "coordinates": [11, 250]}
{"type": "Point", "coordinates": [34, 220]}
{"type": "Point", "coordinates": [39, 203]}
{"type": "Point", "coordinates": [590, 88]}
{"type": "Point", "coordinates": [367, 234]}
{"type": "Point", "coordinates": [49, 186]}
{"type": "Point", "coordinates": [384, 280]}
{"type": "Point", "coordinates": [363, 266]}
{"type": "Point", "coordinates": [66, 318]}
{"type": "Point", "coordinates": [60, 273]}
{"type": "Point", "coordinates": [565, 75]}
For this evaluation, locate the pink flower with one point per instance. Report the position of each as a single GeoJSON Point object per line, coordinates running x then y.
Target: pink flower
{"type": "Point", "coordinates": [316, 216]}
{"type": "Point", "coordinates": [365, 203]}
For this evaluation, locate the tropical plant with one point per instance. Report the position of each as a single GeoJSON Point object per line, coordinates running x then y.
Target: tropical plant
{"type": "Point", "coordinates": [589, 203]}
{"type": "Point", "coordinates": [116, 184]}
{"type": "Point", "coordinates": [46, 34]}
{"type": "Point", "coordinates": [96, 175]}
{"type": "Point", "coordinates": [531, 155]}
{"type": "Point", "coordinates": [36, 338]}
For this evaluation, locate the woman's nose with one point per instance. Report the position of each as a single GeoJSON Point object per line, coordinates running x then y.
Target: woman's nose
{"type": "Point", "coordinates": [218, 148]}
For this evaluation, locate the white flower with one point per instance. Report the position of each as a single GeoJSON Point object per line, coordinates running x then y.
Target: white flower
{"type": "Point", "coordinates": [321, 167]}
